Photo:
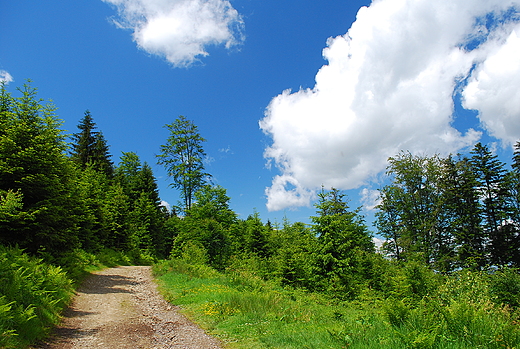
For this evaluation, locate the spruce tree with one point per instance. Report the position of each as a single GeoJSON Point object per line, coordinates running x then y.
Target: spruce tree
{"type": "Point", "coordinates": [146, 217]}
{"type": "Point", "coordinates": [461, 204]}
{"type": "Point", "coordinates": [33, 164]}
{"type": "Point", "coordinates": [490, 173]}
{"type": "Point", "coordinates": [344, 245]}
{"type": "Point", "coordinates": [512, 224]}
{"type": "Point", "coordinates": [90, 148]}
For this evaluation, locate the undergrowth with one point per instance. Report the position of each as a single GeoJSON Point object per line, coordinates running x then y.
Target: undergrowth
{"type": "Point", "coordinates": [33, 294]}
{"type": "Point", "coordinates": [244, 311]}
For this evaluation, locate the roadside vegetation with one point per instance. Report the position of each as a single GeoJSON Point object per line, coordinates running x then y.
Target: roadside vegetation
{"type": "Point", "coordinates": [468, 309]}
{"type": "Point", "coordinates": [445, 277]}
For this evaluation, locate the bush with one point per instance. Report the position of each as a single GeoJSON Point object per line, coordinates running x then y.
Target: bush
{"type": "Point", "coordinates": [505, 287]}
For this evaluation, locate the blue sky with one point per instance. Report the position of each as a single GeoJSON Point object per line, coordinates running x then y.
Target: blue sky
{"type": "Point", "coordinates": [290, 95]}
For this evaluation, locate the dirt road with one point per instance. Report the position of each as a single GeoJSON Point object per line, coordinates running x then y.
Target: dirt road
{"type": "Point", "coordinates": [121, 308]}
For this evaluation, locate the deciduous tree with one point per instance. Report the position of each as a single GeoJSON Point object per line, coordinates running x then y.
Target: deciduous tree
{"type": "Point", "coordinates": [183, 157]}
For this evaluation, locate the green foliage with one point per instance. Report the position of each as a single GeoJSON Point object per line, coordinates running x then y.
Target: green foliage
{"type": "Point", "coordinates": [505, 287]}
{"type": "Point", "coordinates": [294, 254]}
{"type": "Point", "coordinates": [490, 173]}
{"type": "Point", "coordinates": [92, 189]}
{"type": "Point", "coordinates": [423, 310]}
{"type": "Point", "coordinates": [344, 246]}
{"type": "Point", "coordinates": [205, 238]}
{"type": "Point", "coordinates": [90, 147]}
{"type": "Point", "coordinates": [183, 158]}
{"type": "Point", "coordinates": [212, 202]}
{"type": "Point", "coordinates": [452, 212]}
{"type": "Point", "coordinates": [247, 312]}
{"type": "Point", "coordinates": [145, 217]}
{"type": "Point", "coordinates": [33, 164]}
{"type": "Point", "coordinates": [410, 217]}
{"type": "Point", "coordinates": [32, 295]}
{"type": "Point", "coordinates": [461, 204]}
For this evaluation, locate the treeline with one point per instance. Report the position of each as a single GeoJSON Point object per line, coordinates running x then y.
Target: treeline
{"type": "Point", "coordinates": [58, 196]}
{"type": "Point", "coordinates": [452, 212]}
{"type": "Point", "coordinates": [441, 217]}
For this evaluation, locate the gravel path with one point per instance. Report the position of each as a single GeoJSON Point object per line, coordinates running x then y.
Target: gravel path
{"type": "Point", "coordinates": [121, 308]}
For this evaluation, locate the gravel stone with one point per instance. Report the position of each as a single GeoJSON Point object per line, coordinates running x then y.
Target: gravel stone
{"type": "Point", "coordinates": [121, 308]}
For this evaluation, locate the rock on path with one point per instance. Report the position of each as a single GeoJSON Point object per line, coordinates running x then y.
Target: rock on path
{"type": "Point", "coordinates": [121, 308]}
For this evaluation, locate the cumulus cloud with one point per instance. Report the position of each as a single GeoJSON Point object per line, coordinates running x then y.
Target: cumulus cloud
{"type": "Point", "coordinates": [5, 77]}
{"type": "Point", "coordinates": [180, 30]}
{"type": "Point", "coordinates": [494, 89]}
{"type": "Point", "coordinates": [389, 86]}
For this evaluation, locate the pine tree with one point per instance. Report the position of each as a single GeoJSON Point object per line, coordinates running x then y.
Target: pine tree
{"type": "Point", "coordinates": [127, 174]}
{"type": "Point", "coordinates": [490, 174]}
{"type": "Point", "coordinates": [461, 204]}
{"type": "Point", "coordinates": [33, 164]}
{"type": "Point", "coordinates": [511, 227]}
{"type": "Point", "coordinates": [344, 245]}
{"type": "Point", "coordinates": [90, 147]}
{"type": "Point", "coordinates": [516, 157]}
{"type": "Point", "coordinates": [146, 216]}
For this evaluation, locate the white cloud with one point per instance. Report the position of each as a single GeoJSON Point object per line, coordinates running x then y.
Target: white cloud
{"type": "Point", "coordinates": [166, 204]}
{"type": "Point", "coordinates": [378, 243]}
{"type": "Point", "coordinates": [370, 198]}
{"type": "Point", "coordinates": [5, 77]}
{"type": "Point", "coordinates": [388, 86]}
{"type": "Point", "coordinates": [494, 89]}
{"type": "Point", "coordinates": [180, 30]}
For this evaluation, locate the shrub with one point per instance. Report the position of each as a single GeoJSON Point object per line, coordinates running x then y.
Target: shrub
{"type": "Point", "coordinates": [505, 287]}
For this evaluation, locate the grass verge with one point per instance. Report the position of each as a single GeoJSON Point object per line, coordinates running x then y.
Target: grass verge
{"type": "Point", "coordinates": [247, 312]}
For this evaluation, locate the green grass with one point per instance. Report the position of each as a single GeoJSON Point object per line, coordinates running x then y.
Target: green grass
{"type": "Point", "coordinates": [247, 312]}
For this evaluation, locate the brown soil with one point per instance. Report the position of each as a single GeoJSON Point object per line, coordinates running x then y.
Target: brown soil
{"type": "Point", "coordinates": [121, 308]}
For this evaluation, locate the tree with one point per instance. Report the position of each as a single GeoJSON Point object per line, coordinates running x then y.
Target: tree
{"type": "Point", "coordinates": [512, 202]}
{"type": "Point", "coordinates": [461, 204]}
{"type": "Point", "coordinates": [344, 244]}
{"type": "Point", "coordinates": [206, 227]}
{"type": "Point", "coordinates": [411, 215]}
{"type": "Point", "coordinates": [92, 189]}
{"type": "Point", "coordinates": [294, 249]}
{"type": "Point", "coordinates": [516, 157]}
{"type": "Point", "coordinates": [117, 210]}
{"type": "Point", "coordinates": [490, 173]}
{"type": "Point", "coordinates": [389, 223]}
{"type": "Point", "coordinates": [183, 158]}
{"type": "Point", "coordinates": [146, 218]}
{"type": "Point", "coordinates": [90, 147]}
{"type": "Point", "coordinates": [127, 173]}
{"type": "Point", "coordinates": [212, 202]}
{"type": "Point", "coordinates": [33, 164]}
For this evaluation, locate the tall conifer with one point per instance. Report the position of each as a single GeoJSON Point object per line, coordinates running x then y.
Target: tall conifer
{"type": "Point", "coordinates": [90, 147]}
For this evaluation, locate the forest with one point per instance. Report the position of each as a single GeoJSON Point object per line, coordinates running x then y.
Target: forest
{"type": "Point", "coordinates": [445, 277]}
